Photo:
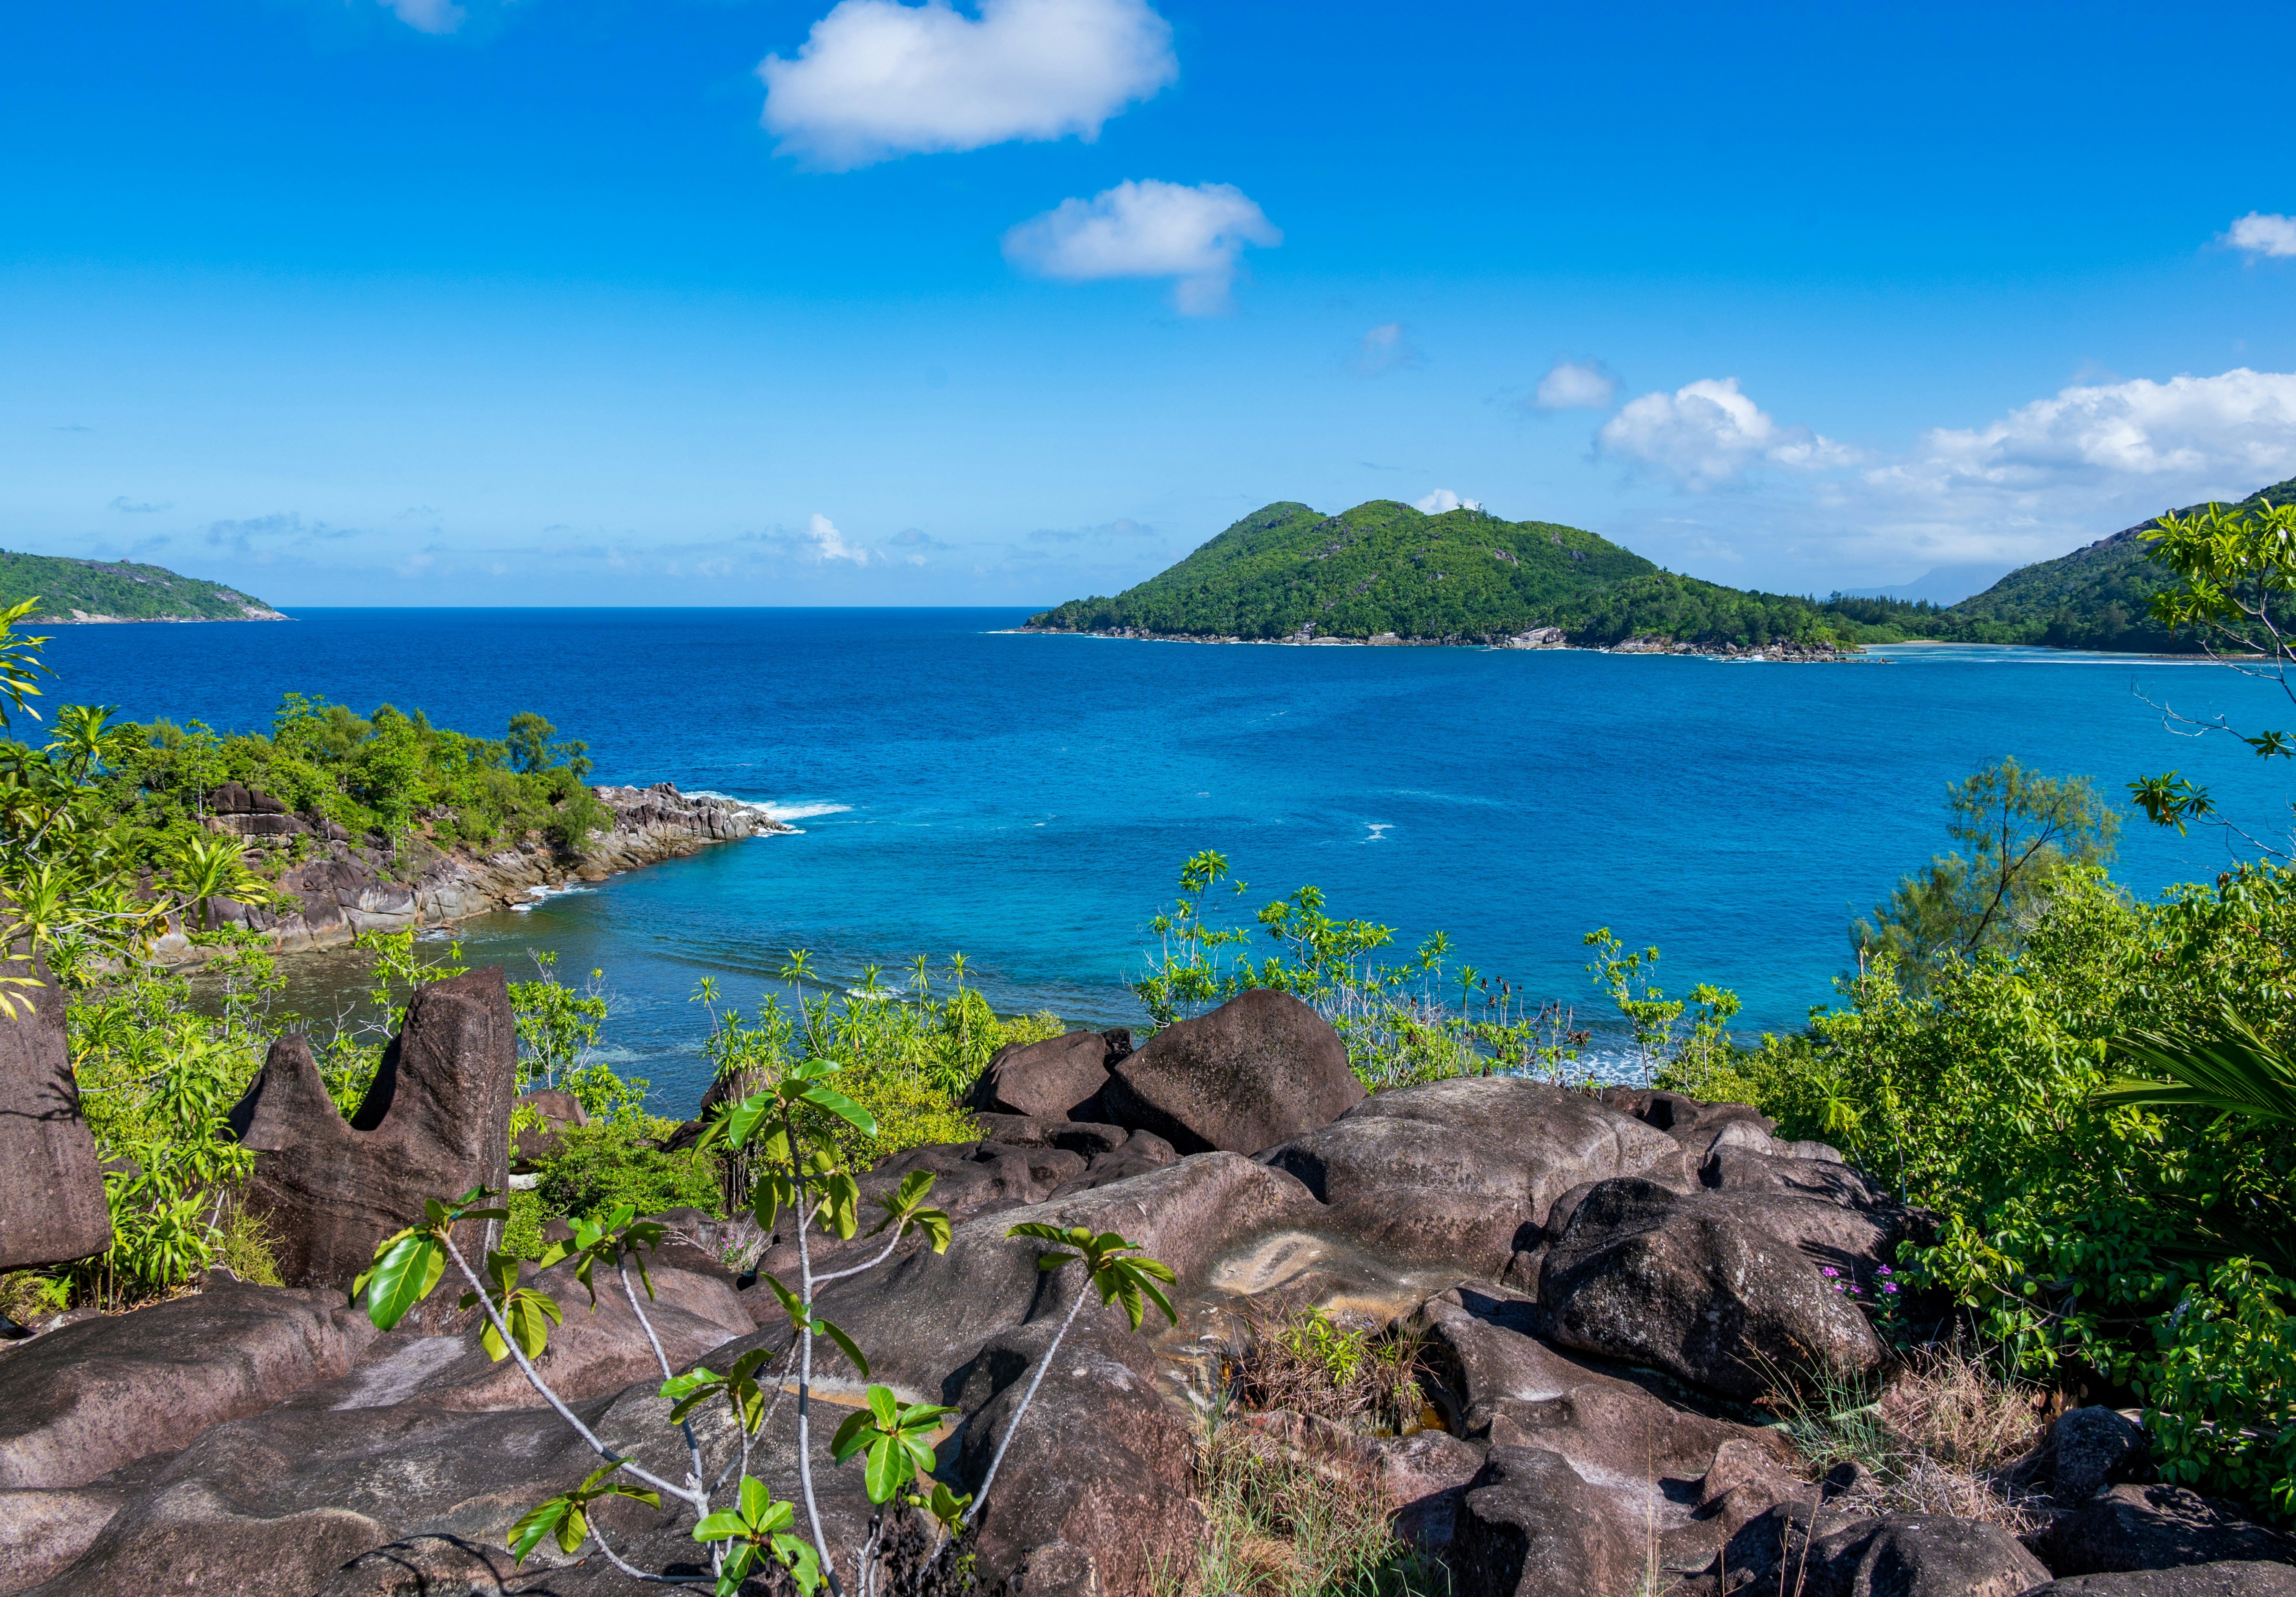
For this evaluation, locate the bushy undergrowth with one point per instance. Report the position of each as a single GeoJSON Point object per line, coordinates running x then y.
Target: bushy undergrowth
{"type": "Point", "coordinates": [2150, 1246]}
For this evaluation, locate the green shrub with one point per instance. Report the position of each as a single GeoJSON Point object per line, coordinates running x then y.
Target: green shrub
{"type": "Point", "coordinates": [616, 1161]}
{"type": "Point", "coordinates": [2144, 1243]}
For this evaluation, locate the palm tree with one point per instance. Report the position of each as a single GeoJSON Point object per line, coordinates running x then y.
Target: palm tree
{"type": "Point", "coordinates": [211, 867]}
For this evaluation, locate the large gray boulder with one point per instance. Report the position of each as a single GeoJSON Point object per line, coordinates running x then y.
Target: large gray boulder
{"type": "Point", "coordinates": [435, 1124]}
{"type": "Point", "coordinates": [1466, 1171]}
{"type": "Point", "coordinates": [1059, 1078]}
{"type": "Point", "coordinates": [1719, 1289]}
{"type": "Point", "coordinates": [52, 1203]}
{"type": "Point", "coordinates": [1528, 1526]}
{"type": "Point", "coordinates": [80, 1401]}
{"type": "Point", "coordinates": [1259, 1068]}
{"type": "Point", "coordinates": [2187, 1580]}
{"type": "Point", "coordinates": [1096, 1478]}
{"type": "Point", "coordinates": [1921, 1556]}
{"type": "Point", "coordinates": [2157, 1528]}
{"type": "Point", "coordinates": [1822, 1551]}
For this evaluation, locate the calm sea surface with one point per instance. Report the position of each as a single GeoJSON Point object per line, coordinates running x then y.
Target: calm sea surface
{"type": "Point", "coordinates": [1028, 801]}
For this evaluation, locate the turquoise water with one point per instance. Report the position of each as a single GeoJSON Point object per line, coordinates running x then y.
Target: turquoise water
{"type": "Point", "coordinates": [1029, 799]}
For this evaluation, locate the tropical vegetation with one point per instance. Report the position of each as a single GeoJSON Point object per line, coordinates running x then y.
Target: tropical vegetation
{"type": "Point", "coordinates": [1467, 576]}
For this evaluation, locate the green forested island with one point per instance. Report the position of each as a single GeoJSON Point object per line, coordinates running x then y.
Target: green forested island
{"type": "Point", "coordinates": [97, 590]}
{"type": "Point", "coordinates": [1465, 575]}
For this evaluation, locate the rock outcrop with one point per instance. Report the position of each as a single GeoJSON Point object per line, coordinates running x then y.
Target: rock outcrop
{"type": "Point", "coordinates": [1592, 1286]}
{"type": "Point", "coordinates": [1059, 1078]}
{"type": "Point", "coordinates": [352, 885]}
{"type": "Point", "coordinates": [52, 1202]}
{"type": "Point", "coordinates": [1259, 1068]}
{"type": "Point", "coordinates": [435, 1123]}
{"type": "Point", "coordinates": [1717, 1289]}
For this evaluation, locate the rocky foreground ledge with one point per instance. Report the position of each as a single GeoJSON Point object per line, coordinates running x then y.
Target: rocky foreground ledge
{"type": "Point", "coordinates": [344, 885]}
{"type": "Point", "coordinates": [1601, 1283]}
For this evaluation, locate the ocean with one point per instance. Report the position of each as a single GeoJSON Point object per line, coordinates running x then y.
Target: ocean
{"type": "Point", "coordinates": [1028, 801]}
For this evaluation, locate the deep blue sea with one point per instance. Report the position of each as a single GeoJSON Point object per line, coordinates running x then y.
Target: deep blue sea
{"type": "Point", "coordinates": [1028, 801]}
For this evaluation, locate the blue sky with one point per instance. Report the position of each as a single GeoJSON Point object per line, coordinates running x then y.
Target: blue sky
{"type": "Point", "coordinates": [702, 302]}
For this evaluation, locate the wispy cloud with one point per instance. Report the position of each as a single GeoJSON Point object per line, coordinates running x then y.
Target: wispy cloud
{"type": "Point", "coordinates": [1575, 385]}
{"type": "Point", "coordinates": [134, 508]}
{"type": "Point", "coordinates": [875, 78]}
{"type": "Point", "coordinates": [428, 16]}
{"type": "Point", "coordinates": [1386, 348]}
{"type": "Point", "coordinates": [1148, 229]}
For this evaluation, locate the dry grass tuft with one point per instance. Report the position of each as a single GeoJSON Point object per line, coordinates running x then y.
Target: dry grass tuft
{"type": "Point", "coordinates": [1314, 1362]}
{"type": "Point", "coordinates": [1934, 1438]}
{"type": "Point", "coordinates": [1281, 1523]}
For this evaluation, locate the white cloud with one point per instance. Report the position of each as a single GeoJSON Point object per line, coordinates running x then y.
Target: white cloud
{"type": "Point", "coordinates": [1576, 385]}
{"type": "Point", "coordinates": [1148, 229]}
{"type": "Point", "coordinates": [830, 543]}
{"type": "Point", "coordinates": [2262, 232]}
{"type": "Point", "coordinates": [2232, 426]}
{"type": "Point", "coordinates": [1444, 499]}
{"type": "Point", "coordinates": [876, 78]}
{"type": "Point", "coordinates": [1386, 348]}
{"type": "Point", "coordinates": [1708, 433]}
{"type": "Point", "coordinates": [428, 16]}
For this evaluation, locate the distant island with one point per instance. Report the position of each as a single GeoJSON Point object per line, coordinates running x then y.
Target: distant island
{"type": "Point", "coordinates": [74, 590]}
{"type": "Point", "coordinates": [1387, 572]}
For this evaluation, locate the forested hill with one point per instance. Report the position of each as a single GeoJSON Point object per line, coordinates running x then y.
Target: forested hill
{"type": "Point", "coordinates": [1464, 576]}
{"type": "Point", "coordinates": [97, 590]}
{"type": "Point", "coordinates": [2095, 598]}
{"type": "Point", "coordinates": [1468, 577]}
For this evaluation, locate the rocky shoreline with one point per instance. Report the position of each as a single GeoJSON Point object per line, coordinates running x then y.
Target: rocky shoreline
{"type": "Point", "coordinates": [1537, 637]}
{"type": "Point", "coordinates": [340, 886]}
{"type": "Point", "coordinates": [1605, 1290]}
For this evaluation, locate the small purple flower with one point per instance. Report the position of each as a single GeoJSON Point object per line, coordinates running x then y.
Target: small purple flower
{"type": "Point", "coordinates": [1889, 1286]}
{"type": "Point", "coordinates": [1829, 1272]}
{"type": "Point", "coordinates": [1837, 1286]}
{"type": "Point", "coordinates": [1884, 1270]}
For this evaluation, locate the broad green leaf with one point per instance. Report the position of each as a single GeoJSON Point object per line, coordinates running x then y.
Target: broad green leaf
{"type": "Point", "coordinates": [536, 1523]}
{"type": "Point", "coordinates": [852, 1435]}
{"type": "Point", "coordinates": [837, 1103]}
{"type": "Point", "coordinates": [887, 1469]}
{"type": "Point", "coordinates": [719, 1528]}
{"type": "Point", "coordinates": [885, 1406]}
{"type": "Point", "coordinates": [403, 1276]}
{"type": "Point", "coordinates": [845, 1344]}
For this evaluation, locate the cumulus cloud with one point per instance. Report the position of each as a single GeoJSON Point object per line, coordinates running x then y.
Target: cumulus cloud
{"type": "Point", "coordinates": [1444, 499]}
{"type": "Point", "coordinates": [428, 16]}
{"type": "Point", "coordinates": [2236, 426]}
{"type": "Point", "coordinates": [2262, 232]}
{"type": "Point", "coordinates": [1576, 385]}
{"type": "Point", "coordinates": [1708, 433]}
{"type": "Point", "coordinates": [829, 544]}
{"type": "Point", "coordinates": [876, 78]}
{"type": "Point", "coordinates": [1386, 348]}
{"type": "Point", "coordinates": [1148, 229]}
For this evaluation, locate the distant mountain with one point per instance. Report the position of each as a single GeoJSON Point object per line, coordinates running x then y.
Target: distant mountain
{"type": "Point", "coordinates": [1939, 585]}
{"type": "Point", "coordinates": [94, 590]}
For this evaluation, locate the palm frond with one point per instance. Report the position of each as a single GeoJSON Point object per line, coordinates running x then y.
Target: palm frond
{"type": "Point", "coordinates": [2233, 1072]}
